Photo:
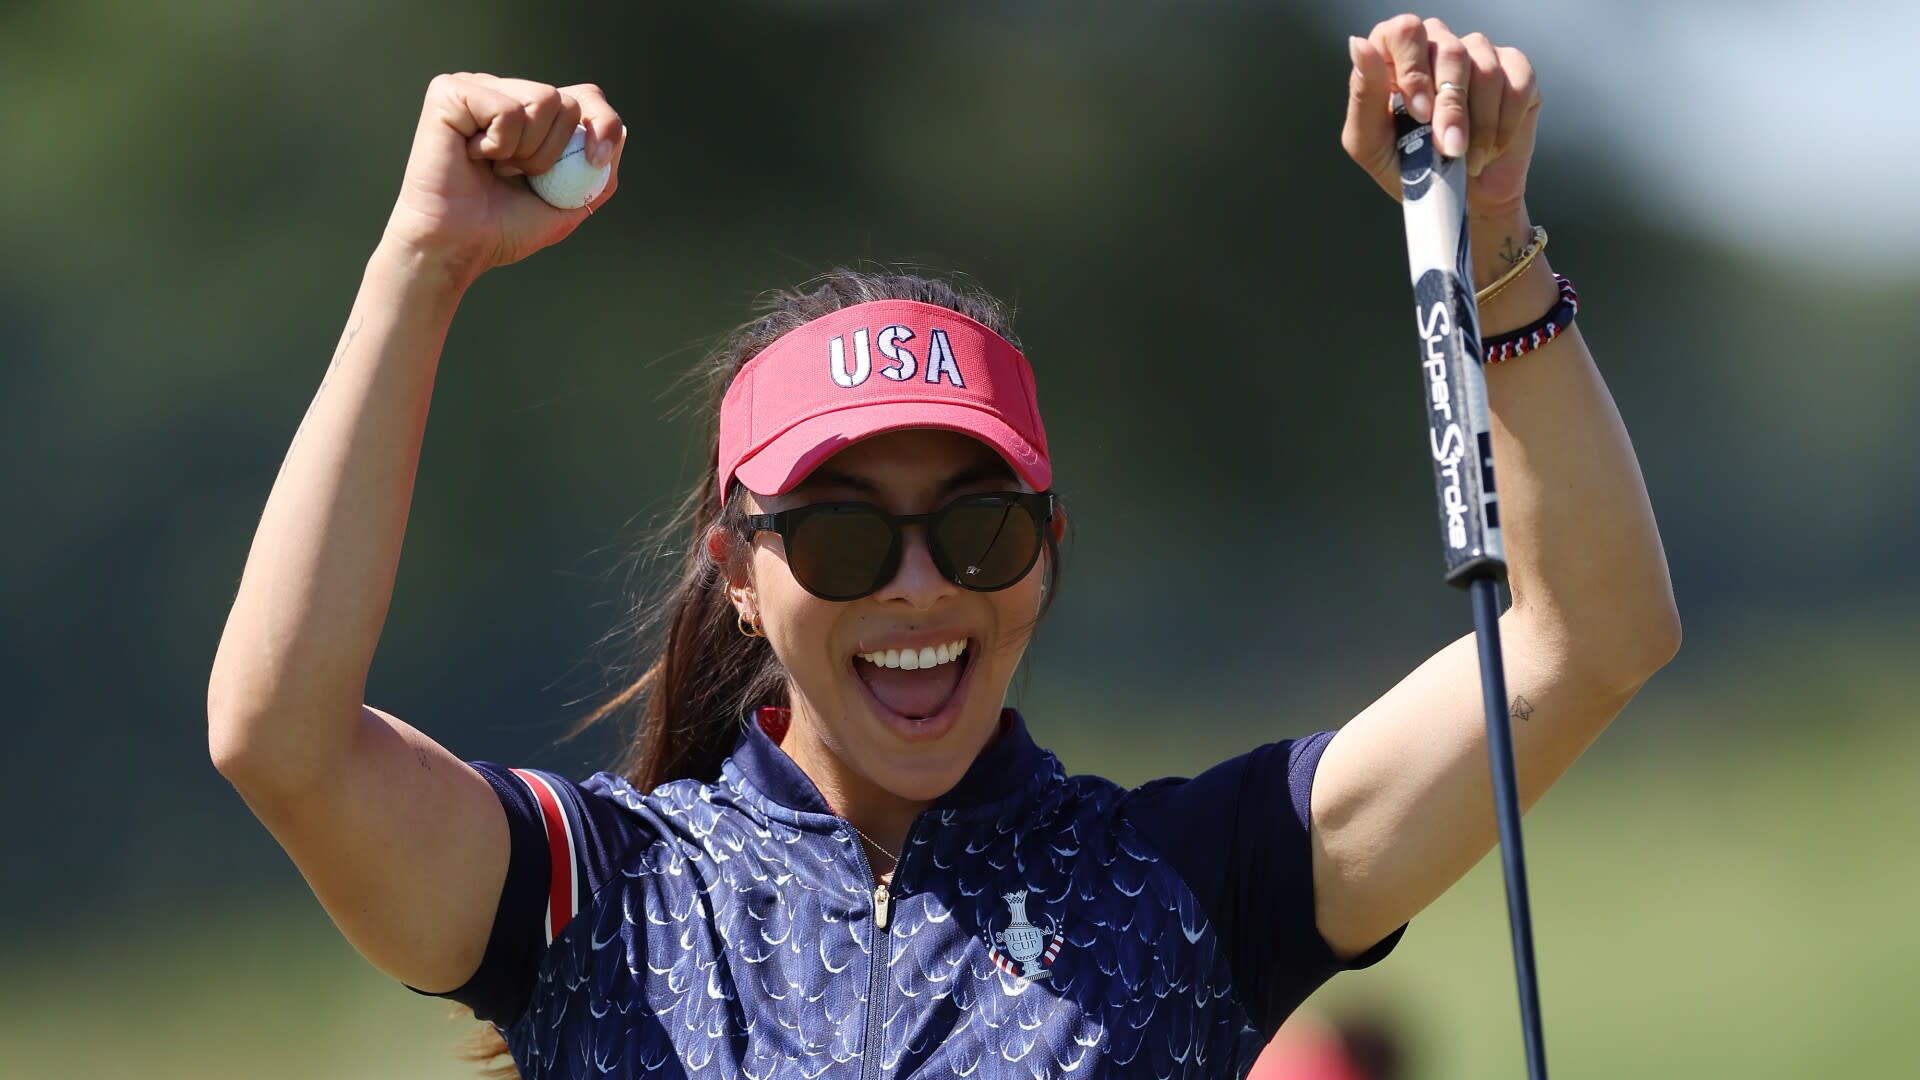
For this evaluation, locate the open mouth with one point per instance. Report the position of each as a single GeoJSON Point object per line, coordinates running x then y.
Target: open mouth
{"type": "Point", "coordinates": [916, 684]}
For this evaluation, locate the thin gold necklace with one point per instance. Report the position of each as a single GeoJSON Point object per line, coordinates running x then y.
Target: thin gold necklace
{"type": "Point", "coordinates": [890, 855]}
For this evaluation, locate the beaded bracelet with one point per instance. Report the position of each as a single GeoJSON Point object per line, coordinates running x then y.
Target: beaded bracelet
{"type": "Point", "coordinates": [1528, 338]}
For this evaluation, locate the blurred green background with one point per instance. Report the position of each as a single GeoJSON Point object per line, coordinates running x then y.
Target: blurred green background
{"type": "Point", "coordinates": [1210, 293]}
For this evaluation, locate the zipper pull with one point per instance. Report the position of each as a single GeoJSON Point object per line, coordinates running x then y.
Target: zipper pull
{"type": "Point", "coordinates": [881, 900]}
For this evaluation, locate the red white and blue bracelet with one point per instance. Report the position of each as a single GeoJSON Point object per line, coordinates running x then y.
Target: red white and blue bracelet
{"type": "Point", "coordinates": [1530, 337]}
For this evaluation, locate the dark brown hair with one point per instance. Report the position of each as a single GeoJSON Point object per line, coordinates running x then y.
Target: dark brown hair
{"type": "Point", "coordinates": [698, 675]}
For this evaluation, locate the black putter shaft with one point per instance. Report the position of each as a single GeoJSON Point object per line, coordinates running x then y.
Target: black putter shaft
{"type": "Point", "coordinates": [1434, 197]}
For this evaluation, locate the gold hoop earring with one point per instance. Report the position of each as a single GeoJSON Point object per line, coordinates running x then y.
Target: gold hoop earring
{"type": "Point", "coordinates": [747, 629]}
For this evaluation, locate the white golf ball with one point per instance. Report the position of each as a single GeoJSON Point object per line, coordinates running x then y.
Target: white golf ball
{"type": "Point", "coordinates": [573, 182]}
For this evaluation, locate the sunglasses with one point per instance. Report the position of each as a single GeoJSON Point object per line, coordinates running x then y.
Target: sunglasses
{"type": "Point", "coordinates": [847, 550]}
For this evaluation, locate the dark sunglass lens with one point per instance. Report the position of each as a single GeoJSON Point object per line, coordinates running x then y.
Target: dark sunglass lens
{"type": "Point", "coordinates": [989, 543]}
{"type": "Point", "coordinates": [839, 552]}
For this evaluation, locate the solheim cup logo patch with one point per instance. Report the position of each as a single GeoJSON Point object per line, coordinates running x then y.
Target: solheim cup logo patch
{"type": "Point", "coordinates": [1028, 950]}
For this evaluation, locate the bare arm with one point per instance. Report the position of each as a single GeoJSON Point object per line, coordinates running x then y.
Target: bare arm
{"type": "Point", "coordinates": [404, 844]}
{"type": "Point", "coordinates": [1402, 803]}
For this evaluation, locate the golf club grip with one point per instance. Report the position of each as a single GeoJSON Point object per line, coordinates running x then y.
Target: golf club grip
{"type": "Point", "coordinates": [1434, 198]}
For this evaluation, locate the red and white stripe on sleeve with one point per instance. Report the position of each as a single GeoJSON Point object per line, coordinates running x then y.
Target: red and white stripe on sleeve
{"type": "Point", "coordinates": [563, 885]}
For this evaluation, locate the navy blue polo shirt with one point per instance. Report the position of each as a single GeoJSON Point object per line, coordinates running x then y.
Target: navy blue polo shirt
{"type": "Point", "coordinates": [1037, 924]}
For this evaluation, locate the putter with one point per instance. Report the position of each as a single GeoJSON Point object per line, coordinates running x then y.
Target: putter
{"type": "Point", "coordinates": [1434, 198]}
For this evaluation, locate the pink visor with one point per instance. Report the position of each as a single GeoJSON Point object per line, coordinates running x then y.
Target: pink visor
{"type": "Point", "coordinates": [872, 368]}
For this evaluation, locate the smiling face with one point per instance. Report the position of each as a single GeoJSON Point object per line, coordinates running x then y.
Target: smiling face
{"type": "Point", "coordinates": [873, 733]}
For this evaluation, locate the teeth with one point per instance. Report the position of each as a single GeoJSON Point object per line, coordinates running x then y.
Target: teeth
{"type": "Point", "coordinates": [915, 659]}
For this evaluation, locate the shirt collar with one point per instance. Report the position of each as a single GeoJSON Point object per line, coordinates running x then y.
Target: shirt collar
{"type": "Point", "coordinates": [1007, 765]}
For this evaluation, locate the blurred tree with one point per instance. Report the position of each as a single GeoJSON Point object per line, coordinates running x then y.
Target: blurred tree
{"type": "Point", "coordinates": [1207, 289]}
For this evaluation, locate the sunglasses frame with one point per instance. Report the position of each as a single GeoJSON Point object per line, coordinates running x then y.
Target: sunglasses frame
{"type": "Point", "coordinates": [1039, 505]}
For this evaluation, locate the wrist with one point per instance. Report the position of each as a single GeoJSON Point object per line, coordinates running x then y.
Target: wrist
{"type": "Point", "coordinates": [1521, 302]}
{"type": "Point", "coordinates": [434, 270]}
{"type": "Point", "coordinates": [1498, 242]}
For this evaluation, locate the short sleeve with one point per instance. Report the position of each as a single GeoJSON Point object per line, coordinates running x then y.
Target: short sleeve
{"type": "Point", "coordinates": [566, 843]}
{"type": "Point", "coordinates": [1238, 835]}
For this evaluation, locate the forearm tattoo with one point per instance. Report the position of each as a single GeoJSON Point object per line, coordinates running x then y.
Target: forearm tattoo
{"type": "Point", "coordinates": [333, 365]}
{"type": "Point", "coordinates": [354, 332]}
{"type": "Point", "coordinates": [1522, 709]}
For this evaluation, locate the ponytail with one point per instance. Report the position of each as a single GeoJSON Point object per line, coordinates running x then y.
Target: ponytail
{"type": "Point", "coordinates": [707, 673]}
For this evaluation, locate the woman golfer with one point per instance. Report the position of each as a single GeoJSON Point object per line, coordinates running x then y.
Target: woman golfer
{"type": "Point", "coordinates": [832, 851]}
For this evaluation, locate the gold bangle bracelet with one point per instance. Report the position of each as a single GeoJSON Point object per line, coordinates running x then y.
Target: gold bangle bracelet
{"type": "Point", "coordinates": [1535, 245]}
